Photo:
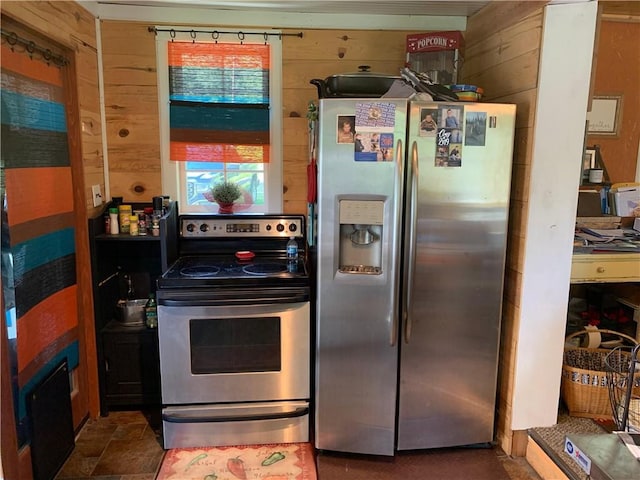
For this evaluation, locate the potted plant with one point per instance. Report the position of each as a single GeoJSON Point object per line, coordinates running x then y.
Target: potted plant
{"type": "Point", "coordinates": [225, 194]}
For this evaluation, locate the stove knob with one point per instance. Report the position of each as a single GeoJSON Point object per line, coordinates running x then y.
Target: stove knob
{"type": "Point", "coordinates": [204, 227]}
{"type": "Point", "coordinates": [293, 227]}
{"type": "Point", "coordinates": [280, 227]}
{"type": "Point", "coordinates": [191, 227]}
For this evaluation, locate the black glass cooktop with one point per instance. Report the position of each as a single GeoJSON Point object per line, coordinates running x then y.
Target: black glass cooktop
{"type": "Point", "coordinates": [228, 271]}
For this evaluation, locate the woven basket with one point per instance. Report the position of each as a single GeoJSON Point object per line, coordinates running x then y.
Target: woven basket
{"type": "Point", "coordinates": [584, 385]}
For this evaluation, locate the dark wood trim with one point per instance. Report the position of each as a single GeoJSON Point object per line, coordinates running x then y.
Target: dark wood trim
{"type": "Point", "coordinates": [85, 398]}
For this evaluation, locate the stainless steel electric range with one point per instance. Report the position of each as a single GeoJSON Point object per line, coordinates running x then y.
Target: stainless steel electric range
{"type": "Point", "coordinates": [234, 332]}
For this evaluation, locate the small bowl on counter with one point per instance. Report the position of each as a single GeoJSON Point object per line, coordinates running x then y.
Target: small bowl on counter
{"type": "Point", "coordinates": [245, 255]}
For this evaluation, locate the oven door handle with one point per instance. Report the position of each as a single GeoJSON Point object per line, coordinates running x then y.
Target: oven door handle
{"type": "Point", "coordinates": [177, 418]}
{"type": "Point", "coordinates": [221, 297]}
{"type": "Point", "coordinates": [232, 302]}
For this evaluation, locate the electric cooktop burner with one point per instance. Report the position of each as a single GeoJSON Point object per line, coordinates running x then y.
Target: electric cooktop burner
{"type": "Point", "coordinates": [264, 269]}
{"type": "Point", "coordinates": [200, 271]}
{"type": "Point", "coordinates": [227, 271]}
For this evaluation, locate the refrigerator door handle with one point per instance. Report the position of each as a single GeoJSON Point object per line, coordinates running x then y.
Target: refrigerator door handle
{"type": "Point", "coordinates": [410, 220]}
{"type": "Point", "coordinates": [393, 334]}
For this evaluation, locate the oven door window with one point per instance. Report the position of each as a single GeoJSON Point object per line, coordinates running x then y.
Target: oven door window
{"type": "Point", "coordinates": [235, 345]}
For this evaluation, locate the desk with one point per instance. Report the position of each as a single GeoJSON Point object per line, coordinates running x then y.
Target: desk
{"type": "Point", "coordinates": [608, 268]}
{"type": "Point", "coordinates": [605, 267]}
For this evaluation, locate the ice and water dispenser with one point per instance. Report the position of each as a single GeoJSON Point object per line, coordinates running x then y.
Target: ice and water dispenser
{"type": "Point", "coordinates": [361, 236]}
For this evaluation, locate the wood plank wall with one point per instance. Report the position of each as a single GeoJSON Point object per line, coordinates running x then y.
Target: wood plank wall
{"type": "Point", "coordinates": [502, 56]}
{"type": "Point", "coordinates": [132, 111]}
{"type": "Point", "coordinates": [617, 72]}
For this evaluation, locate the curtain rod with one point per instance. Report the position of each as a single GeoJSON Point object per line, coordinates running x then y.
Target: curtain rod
{"type": "Point", "coordinates": [30, 47]}
{"type": "Point", "coordinates": [215, 34]}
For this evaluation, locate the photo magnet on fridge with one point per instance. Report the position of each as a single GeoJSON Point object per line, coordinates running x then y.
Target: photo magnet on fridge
{"type": "Point", "coordinates": [475, 129]}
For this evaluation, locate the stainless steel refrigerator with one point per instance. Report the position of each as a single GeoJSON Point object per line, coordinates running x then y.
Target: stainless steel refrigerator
{"type": "Point", "coordinates": [412, 229]}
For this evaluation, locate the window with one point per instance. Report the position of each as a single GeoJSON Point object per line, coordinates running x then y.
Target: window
{"type": "Point", "coordinates": [220, 117]}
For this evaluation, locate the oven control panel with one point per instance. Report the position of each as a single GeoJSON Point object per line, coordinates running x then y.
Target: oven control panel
{"type": "Point", "coordinates": [214, 226]}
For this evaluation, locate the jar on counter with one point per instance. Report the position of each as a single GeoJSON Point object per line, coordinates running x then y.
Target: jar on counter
{"type": "Point", "coordinates": [155, 225]}
{"type": "Point", "coordinates": [107, 222]}
{"type": "Point", "coordinates": [114, 221]}
{"type": "Point", "coordinates": [142, 224]}
{"type": "Point", "coordinates": [133, 225]}
{"type": "Point", "coordinates": [125, 217]}
{"type": "Point", "coordinates": [148, 215]}
{"type": "Point", "coordinates": [157, 205]}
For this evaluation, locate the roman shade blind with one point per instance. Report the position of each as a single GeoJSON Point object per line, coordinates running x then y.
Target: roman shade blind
{"type": "Point", "coordinates": [219, 102]}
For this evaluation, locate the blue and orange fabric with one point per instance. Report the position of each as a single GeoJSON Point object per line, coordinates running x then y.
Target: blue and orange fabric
{"type": "Point", "coordinates": [219, 102]}
{"type": "Point", "coordinates": [39, 213]}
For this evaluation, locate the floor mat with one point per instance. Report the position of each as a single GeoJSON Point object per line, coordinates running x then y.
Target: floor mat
{"type": "Point", "coordinates": [291, 461]}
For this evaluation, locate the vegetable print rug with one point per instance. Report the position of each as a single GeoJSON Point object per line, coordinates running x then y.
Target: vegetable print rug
{"type": "Point", "coordinates": [285, 461]}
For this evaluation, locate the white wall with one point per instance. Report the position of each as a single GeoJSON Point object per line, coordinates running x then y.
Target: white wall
{"type": "Point", "coordinates": [561, 109]}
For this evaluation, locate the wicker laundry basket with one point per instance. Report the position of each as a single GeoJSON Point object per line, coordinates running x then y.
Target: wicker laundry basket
{"type": "Point", "coordinates": [584, 384]}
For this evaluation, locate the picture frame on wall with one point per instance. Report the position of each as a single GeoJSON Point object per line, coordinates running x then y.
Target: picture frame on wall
{"type": "Point", "coordinates": [604, 116]}
{"type": "Point", "coordinates": [588, 162]}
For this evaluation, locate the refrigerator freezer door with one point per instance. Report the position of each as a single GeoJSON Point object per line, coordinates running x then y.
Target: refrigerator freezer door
{"type": "Point", "coordinates": [455, 268]}
{"type": "Point", "coordinates": [357, 313]}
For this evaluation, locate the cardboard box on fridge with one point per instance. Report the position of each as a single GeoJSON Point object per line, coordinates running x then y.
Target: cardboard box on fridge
{"type": "Point", "coordinates": [438, 54]}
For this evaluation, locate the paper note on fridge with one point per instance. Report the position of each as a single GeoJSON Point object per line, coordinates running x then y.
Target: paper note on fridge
{"type": "Point", "coordinates": [627, 203]}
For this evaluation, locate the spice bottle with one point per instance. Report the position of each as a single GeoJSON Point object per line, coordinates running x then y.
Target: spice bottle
{"type": "Point", "coordinates": [107, 222]}
{"type": "Point", "coordinates": [142, 224]}
{"type": "Point", "coordinates": [157, 203]}
{"type": "Point", "coordinates": [133, 225]}
{"type": "Point", "coordinates": [151, 312]}
{"type": "Point", "coordinates": [155, 225]}
{"type": "Point", "coordinates": [125, 217]}
{"type": "Point", "coordinates": [113, 220]}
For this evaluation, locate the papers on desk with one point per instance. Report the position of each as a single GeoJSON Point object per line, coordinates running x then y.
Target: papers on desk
{"type": "Point", "coordinates": [604, 233]}
{"type": "Point", "coordinates": [615, 239]}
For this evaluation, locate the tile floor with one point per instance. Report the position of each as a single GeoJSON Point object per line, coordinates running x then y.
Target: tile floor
{"type": "Point", "coordinates": [127, 445]}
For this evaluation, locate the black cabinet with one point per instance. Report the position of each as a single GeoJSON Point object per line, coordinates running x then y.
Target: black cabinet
{"type": "Point", "coordinates": [125, 266]}
{"type": "Point", "coordinates": [131, 365]}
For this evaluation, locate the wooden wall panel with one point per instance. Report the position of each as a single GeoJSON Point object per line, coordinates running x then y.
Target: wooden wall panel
{"type": "Point", "coordinates": [64, 21]}
{"type": "Point", "coordinates": [131, 110]}
{"type": "Point", "coordinates": [506, 78]}
{"type": "Point", "coordinates": [498, 17]}
{"type": "Point", "coordinates": [618, 73]}
{"type": "Point", "coordinates": [355, 46]}
{"type": "Point", "coordinates": [503, 52]}
{"type": "Point", "coordinates": [132, 127]}
{"type": "Point", "coordinates": [506, 45]}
